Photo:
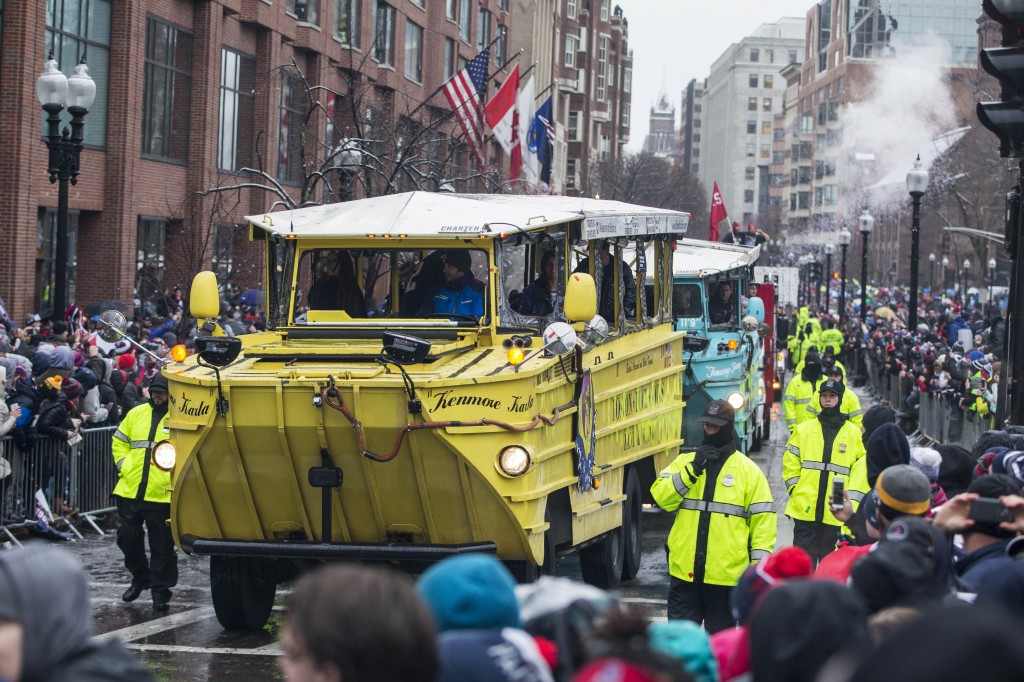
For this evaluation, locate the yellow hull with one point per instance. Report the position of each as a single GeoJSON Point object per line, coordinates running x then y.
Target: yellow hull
{"type": "Point", "coordinates": [245, 476]}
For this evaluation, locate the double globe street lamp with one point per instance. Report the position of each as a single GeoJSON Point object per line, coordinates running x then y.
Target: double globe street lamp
{"type": "Point", "coordinates": [56, 91]}
{"type": "Point", "coordinates": [917, 183]}
{"type": "Point", "coordinates": [945, 273]}
{"type": "Point", "coordinates": [963, 291]}
{"type": "Point", "coordinates": [931, 272]}
{"type": "Point", "coordinates": [866, 223]}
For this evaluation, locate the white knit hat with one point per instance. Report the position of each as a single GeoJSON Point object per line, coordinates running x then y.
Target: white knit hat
{"type": "Point", "coordinates": [927, 461]}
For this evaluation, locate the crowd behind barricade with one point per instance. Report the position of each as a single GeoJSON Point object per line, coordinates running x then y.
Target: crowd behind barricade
{"type": "Point", "coordinates": [952, 359]}
{"type": "Point", "coordinates": [60, 378]}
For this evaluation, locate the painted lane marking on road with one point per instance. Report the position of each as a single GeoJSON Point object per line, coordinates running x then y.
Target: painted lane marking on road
{"type": "Point", "coordinates": [644, 600]}
{"type": "Point", "coordinates": [152, 627]}
{"type": "Point", "coordinates": [269, 650]}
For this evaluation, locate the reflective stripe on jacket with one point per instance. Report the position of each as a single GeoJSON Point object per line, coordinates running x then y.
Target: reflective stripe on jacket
{"type": "Point", "coordinates": [131, 448]}
{"type": "Point", "coordinates": [742, 518]}
{"type": "Point", "coordinates": [803, 463]}
{"type": "Point", "coordinates": [850, 406]}
{"type": "Point", "coordinates": [798, 396]}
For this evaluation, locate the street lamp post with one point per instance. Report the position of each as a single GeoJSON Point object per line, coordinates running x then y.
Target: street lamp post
{"type": "Point", "coordinates": [945, 272]}
{"type": "Point", "coordinates": [991, 279]}
{"type": "Point", "coordinates": [931, 272]}
{"type": "Point", "coordinates": [55, 91]}
{"type": "Point", "coordinates": [830, 248]}
{"type": "Point", "coordinates": [963, 291]}
{"type": "Point", "coordinates": [917, 183]}
{"type": "Point", "coordinates": [866, 223]}
{"type": "Point", "coordinates": [844, 241]}
{"type": "Point", "coordinates": [349, 159]}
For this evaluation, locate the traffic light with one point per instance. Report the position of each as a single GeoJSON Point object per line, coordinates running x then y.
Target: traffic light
{"type": "Point", "coordinates": [1006, 117]}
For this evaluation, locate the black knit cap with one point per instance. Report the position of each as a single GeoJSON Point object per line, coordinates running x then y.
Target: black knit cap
{"type": "Point", "coordinates": [833, 386]}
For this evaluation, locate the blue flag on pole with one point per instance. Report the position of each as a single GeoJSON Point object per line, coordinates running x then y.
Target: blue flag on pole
{"type": "Point", "coordinates": [541, 137]}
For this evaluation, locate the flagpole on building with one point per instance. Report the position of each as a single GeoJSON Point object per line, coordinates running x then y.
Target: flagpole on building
{"type": "Point", "coordinates": [441, 86]}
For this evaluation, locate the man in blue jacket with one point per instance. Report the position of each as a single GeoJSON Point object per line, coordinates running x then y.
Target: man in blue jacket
{"type": "Point", "coordinates": [460, 294]}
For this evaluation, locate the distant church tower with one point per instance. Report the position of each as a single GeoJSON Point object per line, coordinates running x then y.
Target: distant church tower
{"type": "Point", "coordinates": [661, 140]}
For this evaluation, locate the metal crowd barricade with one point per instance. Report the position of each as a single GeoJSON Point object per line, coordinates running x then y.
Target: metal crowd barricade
{"type": "Point", "coordinates": [84, 474]}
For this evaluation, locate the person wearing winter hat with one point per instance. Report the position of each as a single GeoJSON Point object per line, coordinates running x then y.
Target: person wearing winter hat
{"type": "Point", "coordinates": [732, 646]}
{"type": "Point", "coordinates": [929, 462]}
{"type": "Point", "coordinates": [983, 467]}
{"type": "Point", "coordinates": [143, 499]}
{"type": "Point", "coordinates": [688, 643]}
{"type": "Point", "coordinates": [910, 566]}
{"type": "Point", "coordinates": [800, 389]}
{"type": "Point", "coordinates": [875, 416]}
{"type": "Point", "coordinates": [800, 625]}
{"type": "Point", "coordinates": [473, 601]}
{"type": "Point", "coordinates": [816, 454]}
{"type": "Point", "coordinates": [46, 626]}
{"type": "Point", "coordinates": [850, 405]}
{"type": "Point", "coordinates": [348, 623]}
{"type": "Point", "coordinates": [985, 541]}
{"type": "Point", "coordinates": [957, 469]}
{"type": "Point", "coordinates": [1010, 463]}
{"type": "Point", "coordinates": [957, 642]}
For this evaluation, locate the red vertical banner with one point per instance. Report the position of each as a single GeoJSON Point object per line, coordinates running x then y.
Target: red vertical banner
{"type": "Point", "coordinates": [718, 214]}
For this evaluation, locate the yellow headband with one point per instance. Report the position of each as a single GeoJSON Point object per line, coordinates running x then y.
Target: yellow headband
{"type": "Point", "coordinates": [916, 508]}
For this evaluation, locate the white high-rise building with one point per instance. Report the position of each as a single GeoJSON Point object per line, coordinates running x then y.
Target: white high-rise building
{"type": "Point", "coordinates": [744, 91]}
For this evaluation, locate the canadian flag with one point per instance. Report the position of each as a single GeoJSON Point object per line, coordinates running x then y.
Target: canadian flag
{"type": "Point", "coordinates": [502, 115]}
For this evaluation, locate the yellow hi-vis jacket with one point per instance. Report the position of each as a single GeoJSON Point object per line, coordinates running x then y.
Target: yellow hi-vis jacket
{"type": "Point", "coordinates": [796, 399]}
{"type": "Point", "coordinates": [831, 337]}
{"type": "Point", "coordinates": [138, 478]}
{"type": "Point", "coordinates": [720, 536]}
{"type": "Point", "coordinates": [850, 405]}
{"type": "Point", "coordinates": [808, 471]}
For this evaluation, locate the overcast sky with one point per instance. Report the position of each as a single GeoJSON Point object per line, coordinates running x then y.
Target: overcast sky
{"type": "Point", "coordinates": [676, 40]}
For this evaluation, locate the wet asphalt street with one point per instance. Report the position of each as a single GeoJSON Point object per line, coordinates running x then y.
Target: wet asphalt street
{"type": "Point", "coordinates": [188, 643]}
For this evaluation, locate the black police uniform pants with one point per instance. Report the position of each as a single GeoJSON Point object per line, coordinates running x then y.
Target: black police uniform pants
{"type": "Point", "coordinates": [817, 539]}
{"type": "Point", "coordinates": [161, 571]}
{"type": "Point", "coordinates": [700, 603]}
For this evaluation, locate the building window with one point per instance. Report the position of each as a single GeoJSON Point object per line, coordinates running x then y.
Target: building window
{"type": "Point", "coordinates": [237, 110]}
{"type": "Point", "coordinates": [413, 51]}
{"type": "Point", "coordinates": [769, 56]}
{"type": "Point", "coordinates": [769, 82]}
{"type": "Point", "coordinates": [626, 114]}
{"type": "Point", "coordinates": [574, 126]}
{"type": "Point", "coordinates": [766, 127]}
{"type": "Point", "coordinates": [166, 92]}
{"type": "Point", "coordinates": [570, 9]}
{"type": "Point", "coordinates": [752, 80]}
{"type": "Point", "coordinates": [750, 149]}
{"type": "Point", "coordinates": [751, 104]}
{"type": "Point", "coordinates": [289, 142]}
{"type": "Point", "coordinates": [766, 104]}
{"type": "Point", "coordinates": [451, 56]}
{"type": "Point", "coordinates": [46, 256]}
{"type": "Point", "coordinates": [572, 46]}
{"type": "Point", "coordinates": [418, 3]}
{"type": "Point", "coordinates": [778, 158]}
{"type": "Point", "coordinates": [304, 10]}
{"type": "Point", "coordinates": [602, 67]}
{"type": "Point", "coordinates": [824, 33]}
{"type": "Point", "coordinates": [766, 150]}
{"type": "Point", "coordinates": [349, 13]}
{"type": "Point", "coordinates": [223, 251]}
{"type": "Point", "coordinates": [604, 9]}
{"type": "Point", "coordinates": [627, 81]}
{"type": "Point", "coordinates": [465, 17]}
{"type": "Point", "coordinates": [483, 30]}
{"type": "Point", "coordinates": [501, 46]}
{"type": "Point", "coordinates": [606, 147]}
{"type": "Point", "coordinates": [451, 9]}
{"type": "Point", "coordinates": [748, 196]}
{"type": "Point", "coordinates": [793, 57]}
{"type": "Point", "coordinates": [570, 174]}
{"type": "Point", "coordinates": [751, 127]}
{"type": "Point", "coordinates": [149, 264]}
{"type": "Point", "coordinates": [384, 35]}
{"type": "Point", "coordinates": [81, 28]}
{"type": "Point", "coordinates": [503, 5]}
{"type": "Point", "coordinates": [748, 172]}
{"type": "Point", "coordinates": [755, 54]}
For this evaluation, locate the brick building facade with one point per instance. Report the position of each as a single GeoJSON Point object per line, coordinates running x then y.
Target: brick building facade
{"type": "Point", "coordinates": [191, 91]}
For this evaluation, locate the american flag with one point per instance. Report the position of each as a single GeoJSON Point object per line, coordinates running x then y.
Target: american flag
{"type": "Point", "coordinates": [465, 92]}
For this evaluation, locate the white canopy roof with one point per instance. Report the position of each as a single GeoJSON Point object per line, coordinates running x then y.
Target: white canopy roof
{"type": "Point", "coordinates": [695, 257]}
{"type": "Point", "coordinates": [428, 214]}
